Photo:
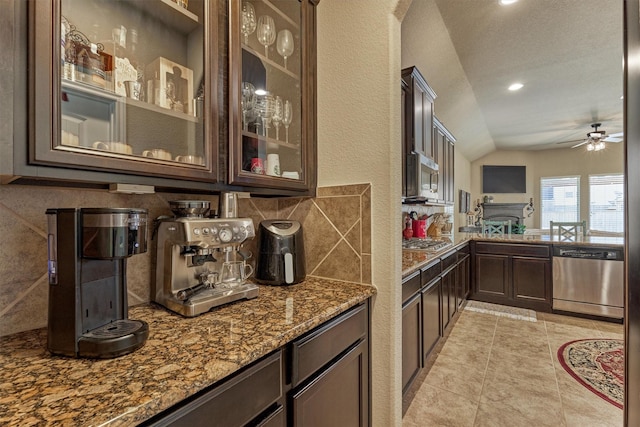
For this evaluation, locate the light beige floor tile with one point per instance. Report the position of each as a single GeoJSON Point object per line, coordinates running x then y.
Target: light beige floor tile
{"type": "Point", "coordinates": [457, 376]}
{"type": "Point", "coordinates": [531, 345]}
{"type": "Point", "coordinates": [515, 402]}
{"type": "Point", "coordinates": [520, 327]}
{"type": "Point", "coordinates": [505, 364]}
{"type": "Point", "coordinates": [570, 332]}
{"type": "Point", "coordinates": [509, 369]}
{"type": "Point", "coordinates": [608, 327]}
{"type": "Point", "coordinates": [433, 407]}
{"type": "Point", "coordinates": [566, 320]}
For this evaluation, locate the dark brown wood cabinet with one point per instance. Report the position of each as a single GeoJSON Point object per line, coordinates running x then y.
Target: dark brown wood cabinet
{"type": "Point", "coordinates": [444, 143]}
{"type": "Point", "coordinates": [328, 367]}
{"type": "Point", "coordinates": [418, 117]}
{"type": "Point", "coordinates": [411, 329]}
{"type": "Point", "coordinates": [513, 274]}
{"type": "Point", "coordinates": [463, 276]}
{"type": "Point", "coordinates": [257, 127]}
{"type": "Point", "coordinates": [75, 125]}
{"type": "Point", "coordinates": [431, 322]}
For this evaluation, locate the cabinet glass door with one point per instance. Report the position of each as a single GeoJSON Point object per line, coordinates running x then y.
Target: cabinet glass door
{"type": "Point", "coordinates": [269, 92]}
{"type": "Point", "coordinates": [130, 86]}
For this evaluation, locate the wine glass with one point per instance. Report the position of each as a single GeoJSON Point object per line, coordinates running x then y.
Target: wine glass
{"type": "Point", "coordinates": [287, 117]}
{"type": "Point", "coordinates": [248, 21]}
{"type": "Point", "coordinates": [264, 106]}
{"type": "Point", "coordinates": [248, 101]}
{"type": "Point", "coordinates": [266, 32]}
{"type": "Point", "coordinates": [285, 45]}
{"type": "Point", "coordinates": [277, 115]}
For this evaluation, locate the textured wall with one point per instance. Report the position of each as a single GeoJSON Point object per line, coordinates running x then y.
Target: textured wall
{"type": "Point", "coordinates": [359, 141]}
{"type": "Point", "coordinates": [336, 228]}
{"type": "Point", "coordinates": [546, 163]}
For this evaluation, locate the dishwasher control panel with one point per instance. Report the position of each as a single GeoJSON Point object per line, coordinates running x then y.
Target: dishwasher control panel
{"type": "Point", "coordinates": [589, 252]}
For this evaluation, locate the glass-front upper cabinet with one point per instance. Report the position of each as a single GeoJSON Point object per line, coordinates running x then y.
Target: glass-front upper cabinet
{"type": "Point", "coordinates": [271, 93]}
{"type": "Point", "coordinates": [125, 86]}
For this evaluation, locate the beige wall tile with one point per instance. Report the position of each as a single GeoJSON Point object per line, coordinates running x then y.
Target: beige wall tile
{"type": "Point", "coordinates": [23, 227]}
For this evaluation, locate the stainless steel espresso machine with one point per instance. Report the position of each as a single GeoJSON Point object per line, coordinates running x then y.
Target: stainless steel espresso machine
{"type": "Point", "coordinates": [199, 264]}
{"type": "Point", "coordinates": [88, 310]}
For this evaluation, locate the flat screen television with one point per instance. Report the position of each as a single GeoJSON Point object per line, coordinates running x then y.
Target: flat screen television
{"type": "Point", "coordinates": [504, 179]}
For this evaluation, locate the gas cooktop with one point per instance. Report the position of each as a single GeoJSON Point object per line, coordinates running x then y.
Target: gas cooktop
{"type": "Point", "coordinates": [429, 245]}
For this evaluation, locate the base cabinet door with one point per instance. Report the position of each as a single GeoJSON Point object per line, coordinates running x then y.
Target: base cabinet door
{"type": "Point", "coordinates": [430, 318]}
{"type": "Point", "coordinates": [462, 280]}
{"type": "Point", "coordinates": [532, 282]}
{"type": "Point", "coordinates": [338, 396]}
{"type": "Point", "coordinates": [492, 275]}
{"type": "Point", "coordinates": [448, 298]}
{"type": "Point", "coordinates": [411, 336]}
{"type": "Point", "coordinates": [249, 397]}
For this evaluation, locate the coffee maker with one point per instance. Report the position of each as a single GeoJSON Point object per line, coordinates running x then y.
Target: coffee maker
{"type": "Point", "coordinates": [88, 310]}
{"type": "Point", "coordinates": [192, 254]}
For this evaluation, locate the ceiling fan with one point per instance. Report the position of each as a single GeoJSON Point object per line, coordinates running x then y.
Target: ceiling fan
{"type": "Point", "coordinates": [596, 139]}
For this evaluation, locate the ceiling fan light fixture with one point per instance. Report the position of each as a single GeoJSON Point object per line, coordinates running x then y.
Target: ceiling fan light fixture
{"type": "Point", "coordinates": [590, 146]}
{"type": "Point", "coordinates": [599, 146]}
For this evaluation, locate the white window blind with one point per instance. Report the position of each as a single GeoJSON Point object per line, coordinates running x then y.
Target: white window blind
{"type": "Point", "coordinates": [559, 199]}
{"type": "Point", "coordinates": [606, 202]}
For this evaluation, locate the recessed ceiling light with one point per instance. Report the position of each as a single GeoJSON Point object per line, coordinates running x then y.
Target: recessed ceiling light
{"type": "Point", "coordinates": [516, 86]}
{"type": "Point", "coordinates": [506, 2]}
{"type": "Point", "coordinates": [260, 92]}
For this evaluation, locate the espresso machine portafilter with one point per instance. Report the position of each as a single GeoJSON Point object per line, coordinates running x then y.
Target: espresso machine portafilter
{"type": "Point", "coordinates": [88, 308]}
{"type": "Point", "coordinates": [193, 254]}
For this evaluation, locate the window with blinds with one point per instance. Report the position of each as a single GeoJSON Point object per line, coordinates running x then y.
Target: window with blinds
{"type": "Point", "coordinates": [559, 200]}
{"type": "Point", "coordinates": [606, 202]}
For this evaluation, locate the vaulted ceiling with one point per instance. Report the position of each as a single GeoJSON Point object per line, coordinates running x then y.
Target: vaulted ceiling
{"type": "Point", "coordinates": [567, 54]}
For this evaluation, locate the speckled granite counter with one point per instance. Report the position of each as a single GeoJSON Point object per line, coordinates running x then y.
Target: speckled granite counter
{"type": "Point", "coordinates": [181, 357]}
{"type": "Point", "coordinates": [413, 260]}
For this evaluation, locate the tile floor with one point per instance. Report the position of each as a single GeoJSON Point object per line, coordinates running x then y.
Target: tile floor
{"type": "Point", "coordinates": [496, 371]}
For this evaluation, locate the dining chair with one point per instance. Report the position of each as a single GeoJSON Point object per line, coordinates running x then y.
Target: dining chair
{"type": "Point", "coordinates": [496, 228]}
{"type": "Point", "coordinates": [568, 230]}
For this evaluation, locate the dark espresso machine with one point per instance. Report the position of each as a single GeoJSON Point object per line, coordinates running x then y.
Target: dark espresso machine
{"type": "Point", "coordinates": [88, 311]}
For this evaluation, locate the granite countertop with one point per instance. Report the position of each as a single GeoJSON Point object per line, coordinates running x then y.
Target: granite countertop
{"type": "Point", "coordinates": [413, 260]}
{"type": "Point", "coordinates": [181, 357]}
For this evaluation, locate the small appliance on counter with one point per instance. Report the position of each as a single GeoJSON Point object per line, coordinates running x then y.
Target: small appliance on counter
{"type": "Point", "coordinates": [88, 310]}
{"type": "Point", "coordinates": [197, 258]}
{"type": "Point", "coordinates": [281, 259]}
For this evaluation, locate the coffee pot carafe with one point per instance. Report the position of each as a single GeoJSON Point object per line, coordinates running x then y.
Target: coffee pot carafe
{"type": "Point", "coordinates": [88, 308]}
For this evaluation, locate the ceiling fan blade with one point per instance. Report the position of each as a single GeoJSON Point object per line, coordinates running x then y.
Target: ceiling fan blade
{"type": "Point", "coordinates": [578, 145]}
{"type": "Point", "coordinates": [617, 135]}
{"type": "Point", "coordinates": [612, 139]}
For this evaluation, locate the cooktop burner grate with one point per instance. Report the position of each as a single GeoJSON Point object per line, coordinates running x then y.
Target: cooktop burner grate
{"type": "Point", "coordinates": [424, 244]}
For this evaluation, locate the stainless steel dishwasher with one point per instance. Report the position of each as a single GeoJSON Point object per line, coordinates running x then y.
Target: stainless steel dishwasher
{"type": "Point", "coordinates": [589, 280]}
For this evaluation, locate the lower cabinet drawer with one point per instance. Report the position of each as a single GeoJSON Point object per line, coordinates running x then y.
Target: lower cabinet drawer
{"type": "Point", "coordinates": [312, 351]}
{"type": "Point", "coordinates": [235, 402]}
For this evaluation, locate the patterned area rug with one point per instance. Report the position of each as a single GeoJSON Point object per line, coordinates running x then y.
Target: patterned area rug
{"type": "Point", "coordinates": [597, 364]}
{"type": "Point", "coordinates": [501, 310]}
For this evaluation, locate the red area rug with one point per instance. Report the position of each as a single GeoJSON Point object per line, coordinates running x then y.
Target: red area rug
{"type": "Point", "coordinates": [597, 364]}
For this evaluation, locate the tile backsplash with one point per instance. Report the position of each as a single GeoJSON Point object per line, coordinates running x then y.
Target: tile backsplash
{"type": "Point", "coordinates": [336, 225]}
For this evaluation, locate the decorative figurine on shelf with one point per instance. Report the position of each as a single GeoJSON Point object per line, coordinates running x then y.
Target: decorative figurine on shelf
{"type": "Point", "coordinates": [529, 209]}
{"type": "Point", "coordinates": [478, 212]}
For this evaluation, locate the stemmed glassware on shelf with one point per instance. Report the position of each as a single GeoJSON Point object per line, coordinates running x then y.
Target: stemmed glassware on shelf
{"type": "Point", "coordinates": [285, 45]}
{"type": "Point", "coordinates": [248, 21]}
{"type": "Point", "coordinates": [287, 117]}
{"type": "Point", "coordinates": [248, 101]}
{"type": "Point", "coordinates": [277, 115]}
{"type": "Point", "coordinates": [264, 106]}
{"type": "Point", "coordinates": [266, 32]}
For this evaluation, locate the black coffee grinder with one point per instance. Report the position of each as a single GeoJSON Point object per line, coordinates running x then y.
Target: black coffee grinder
{"type": "Point", "coordinates": [88, 249]}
